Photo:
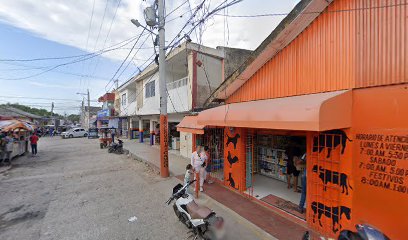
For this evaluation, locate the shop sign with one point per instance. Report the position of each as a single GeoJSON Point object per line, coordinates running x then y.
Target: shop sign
{"type": "Point", "coordinates": [103, 113]}
{"type": "Point", "coordinates": [382, 161]}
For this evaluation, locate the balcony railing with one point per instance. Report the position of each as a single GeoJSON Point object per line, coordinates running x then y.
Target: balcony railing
{"type": "Point", "coordinates": [178, 83]}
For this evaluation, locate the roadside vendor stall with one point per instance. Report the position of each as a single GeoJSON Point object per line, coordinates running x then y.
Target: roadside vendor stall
{"type": "Point", "coordinates": [19, 131]}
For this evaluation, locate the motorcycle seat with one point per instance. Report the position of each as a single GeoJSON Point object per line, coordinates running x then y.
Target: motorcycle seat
{"type": "Point", "coordinates": [198, 212]}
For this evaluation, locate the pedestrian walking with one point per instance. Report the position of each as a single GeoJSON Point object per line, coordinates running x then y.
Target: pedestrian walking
{"type": "Point", "coordinates": [188, 176]}
{"type": "Point", "coordinates": [34, 140]}
{"type": "Point", "coordinates": [197, 162]}
{"type": "Point", "coordinates": [113, 135]}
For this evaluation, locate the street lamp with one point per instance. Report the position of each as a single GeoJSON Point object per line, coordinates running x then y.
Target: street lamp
{"type": "Point", "coordinates": [137, 24]}
{"type": "Point", "coordinates": [89, 106]}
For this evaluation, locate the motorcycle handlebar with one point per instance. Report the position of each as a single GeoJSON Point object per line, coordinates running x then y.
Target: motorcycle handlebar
{"type": "Point", "coordinates": [172, 197]}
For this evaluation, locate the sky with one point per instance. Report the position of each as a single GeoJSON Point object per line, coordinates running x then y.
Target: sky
{"type": "Point", "coordinates": [31, 29]}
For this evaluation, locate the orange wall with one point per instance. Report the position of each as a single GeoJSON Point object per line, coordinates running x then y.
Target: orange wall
{"type": "Point", "coordinates": [339, 50]}
{"type": "Point", "coordinates": [234, 158]}
{"type": "Point", "coordinates": [381, 190]}
{"type": "Point", "coordinates": [330, 195]}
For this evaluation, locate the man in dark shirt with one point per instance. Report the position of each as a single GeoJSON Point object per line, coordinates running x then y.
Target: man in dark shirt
{"type": "Point", "coordinates": [292, 153]}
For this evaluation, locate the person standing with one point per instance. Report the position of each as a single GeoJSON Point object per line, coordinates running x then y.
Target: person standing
{"type": "Point", "coordinates": [197, 162]}
{"type": "Point", "coordinates": [187, 176]}
{"type": "Point", "coordinates": [207, 158]}
{"type": "Point", "coordinates": [291, 169]}
{"type": "Point", "coordinates": [303, 179]}
{"type": "Point", "coordinates": [34, 141]}
{"type": "Point", "coordinates": [113, 135]}
{"type": "Point", "coordinates": [8, 141]}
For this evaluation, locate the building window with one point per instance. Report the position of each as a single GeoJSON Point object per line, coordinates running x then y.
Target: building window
{"type": "Point", "coordinates": [124, 99]}
{"type": "Point", "coordinates": [150, 89]}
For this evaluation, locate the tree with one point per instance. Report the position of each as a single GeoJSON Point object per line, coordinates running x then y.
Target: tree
{"type": "Point", "coordinates": [37, 111]}
{"type": "Point", "coordinates": [73, 118]}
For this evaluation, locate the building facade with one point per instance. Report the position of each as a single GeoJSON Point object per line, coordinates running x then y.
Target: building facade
{"type": "Point", "coordinates": [193, 72]}
{"type": "Point", "coordinates": [330, 82]}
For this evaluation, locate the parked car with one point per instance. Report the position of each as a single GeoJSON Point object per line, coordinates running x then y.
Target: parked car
{"type": "Point", "coordinates": [93, 133]}
{"type": "Point", "coordinates": [74, 132]}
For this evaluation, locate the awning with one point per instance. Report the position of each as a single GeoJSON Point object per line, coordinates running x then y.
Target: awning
{"type": "Point", "coordinates": [189, 124]}
{"type": "Point", "coordinates": [11, 125]}
{"type": "Point", "coordinates": [313, 112]}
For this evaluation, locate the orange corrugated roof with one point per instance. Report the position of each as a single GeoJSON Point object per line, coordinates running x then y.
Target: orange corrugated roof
{"type": "Point", "coordinates": [313, 112]}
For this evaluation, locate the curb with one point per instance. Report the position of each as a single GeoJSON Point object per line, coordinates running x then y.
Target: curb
{"type": "Point", "coordinates": [147, 162]}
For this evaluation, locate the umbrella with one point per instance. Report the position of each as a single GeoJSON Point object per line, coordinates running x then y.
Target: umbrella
{"type": "Point", "coordinates": [11, 125]}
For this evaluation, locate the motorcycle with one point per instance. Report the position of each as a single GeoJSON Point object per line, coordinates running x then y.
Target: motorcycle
{"type": "Point", "coordinates": [364, 232]}
{"type": "Point", "coordinates": [202, 220]}
{"type": "Point", "coordinates": [116, 147]}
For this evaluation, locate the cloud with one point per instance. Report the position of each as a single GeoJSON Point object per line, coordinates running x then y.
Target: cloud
{"type": "Point", "coordinates": [67, 22]}
{"type": "Point", "coordinates": [47, 85]}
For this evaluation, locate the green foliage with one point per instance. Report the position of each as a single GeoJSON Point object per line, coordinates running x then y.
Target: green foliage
{"type": "Point", "coordinates": [73, 117]}
{"type": "Point", "coordinates": [32, 110]}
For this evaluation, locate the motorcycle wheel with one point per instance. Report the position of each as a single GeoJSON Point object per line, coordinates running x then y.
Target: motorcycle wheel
{"type": "Point", "coordinates": [110, 150]}
{"type": "Point", "coordinates": [101, 145]}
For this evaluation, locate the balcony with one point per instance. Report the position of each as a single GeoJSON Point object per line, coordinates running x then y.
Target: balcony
{"type": "Point", "coordinates": [177, 100]}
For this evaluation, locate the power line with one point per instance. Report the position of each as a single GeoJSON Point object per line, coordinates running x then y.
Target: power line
{"type": "Point", "coordinates": [87, 39]}
{"type": "Point", "coordinates": [312, 12]}
{"type": "Point", "coordinates": [176, 8]}
{"type": "Point", "coordinates": [73, 56]}
{"type": "Point", "coordinates": [54, 99]}
{"type": "Point", "coordinates": [107, 35]}
{"type": "Point", "coordinates": [113, 77]}
{"type": "Point", "coordinates": [132, 58]}
{"type": "Point", "coordinates": [64, 64]}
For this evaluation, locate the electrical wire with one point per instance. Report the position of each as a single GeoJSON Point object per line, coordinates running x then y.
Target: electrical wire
{"type": "Point", "coordinates": [176, 9]}
{"type": "Point", "coordinates": [313, 12]}
{"type": "Point", "coordinates": [73, 56]}
{"type": "Point", "coordinates": [53, 99]}
{"type": "Point", "coordinates": [137, 40]}
{"type": "Point", "coordinates": [64, 64]}
{"type": "Point", "coordinates": [132, 58]}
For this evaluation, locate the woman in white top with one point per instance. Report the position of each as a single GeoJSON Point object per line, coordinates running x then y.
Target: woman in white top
{"type": "Point", "coordinates": [197, 163]}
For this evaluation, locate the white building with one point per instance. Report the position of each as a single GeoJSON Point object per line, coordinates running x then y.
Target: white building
{"type": "Point", "coordinates": [193, 72]}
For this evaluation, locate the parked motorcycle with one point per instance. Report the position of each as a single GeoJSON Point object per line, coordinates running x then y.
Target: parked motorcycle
{"type": "Point", "coordinates": [116, 147]}
{"type": "Point", "coordinates": [202, 220]}
{"type": "Point", "coordinates": [364, 232]}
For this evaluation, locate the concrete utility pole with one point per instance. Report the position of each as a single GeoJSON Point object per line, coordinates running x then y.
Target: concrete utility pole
{"type": "Point", "coordinates": [164, 139]}
{"type": "Point", "coordinates": [89, 110]}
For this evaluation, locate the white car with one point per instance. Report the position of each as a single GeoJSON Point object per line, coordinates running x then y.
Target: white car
{"type": "Point", "coordinates": [74, 132]}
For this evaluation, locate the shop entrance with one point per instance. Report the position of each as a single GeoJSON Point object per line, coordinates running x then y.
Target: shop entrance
{"type": "Point", "coordinates": [274, 169]}
{"type": "Point", "coordinates": [213, 138]}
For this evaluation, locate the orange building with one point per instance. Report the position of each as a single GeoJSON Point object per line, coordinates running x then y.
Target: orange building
{"type": "Point", "coordinates": [330, 81]}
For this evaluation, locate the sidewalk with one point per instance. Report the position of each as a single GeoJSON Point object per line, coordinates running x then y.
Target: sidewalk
{"type": "Point", "coordinates": [274, 222]}
{"type": "Point", "coordinates": [151, 155]}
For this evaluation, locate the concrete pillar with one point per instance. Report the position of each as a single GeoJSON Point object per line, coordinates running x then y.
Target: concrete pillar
{"type": "Point", "coordinates": [151, 132]}
{"type": "Point", "coordinates": [141, 130]}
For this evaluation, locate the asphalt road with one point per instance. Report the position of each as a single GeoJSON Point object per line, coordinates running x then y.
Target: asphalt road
{"type": "Point", "coordinates": [74, 190]}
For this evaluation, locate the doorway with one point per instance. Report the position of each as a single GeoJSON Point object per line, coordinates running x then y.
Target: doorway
{"type": "Point", "coordinates": [272, 161]}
